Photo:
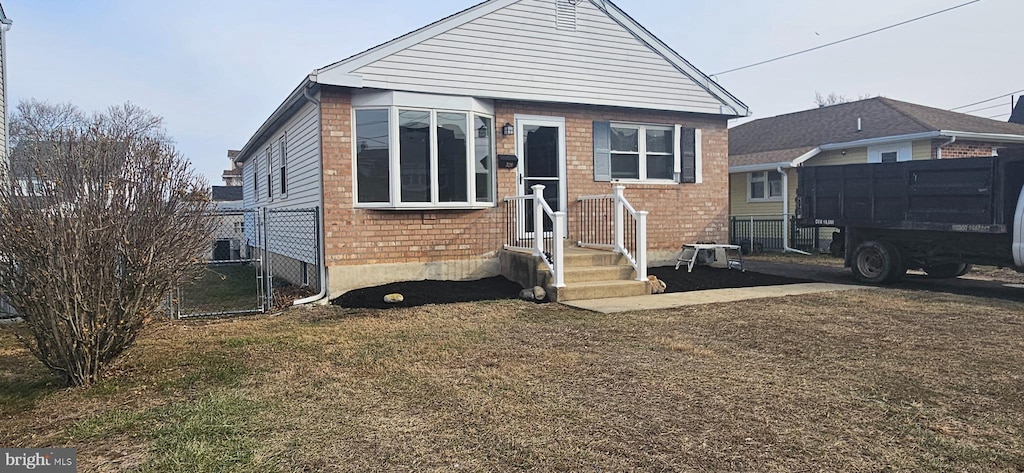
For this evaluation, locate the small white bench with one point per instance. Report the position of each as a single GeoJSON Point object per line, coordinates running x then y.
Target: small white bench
{"type": "Point", "coordinates": [714, 255]}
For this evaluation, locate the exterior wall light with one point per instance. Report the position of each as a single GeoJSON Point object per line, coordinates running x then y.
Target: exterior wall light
{"type": "Point", "coordinates": [508, 129]}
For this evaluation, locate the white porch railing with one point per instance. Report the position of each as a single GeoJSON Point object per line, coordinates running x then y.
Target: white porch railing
{"type": "Point", "coordinates": [604, 224]}
{"type": "Point", "coordinates": [549, 245]}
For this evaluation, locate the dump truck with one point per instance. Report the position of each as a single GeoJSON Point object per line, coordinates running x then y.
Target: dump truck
{"type": "Point", "coordinates": [941, 216]}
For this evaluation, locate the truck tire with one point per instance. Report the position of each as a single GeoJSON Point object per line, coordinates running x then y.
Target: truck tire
{"type": "Point", "coordinates": [967, 269]}
{"type": "Point", "coordinates": [877, 262]}
{"type": "Point", "coordinates": [946, 271]}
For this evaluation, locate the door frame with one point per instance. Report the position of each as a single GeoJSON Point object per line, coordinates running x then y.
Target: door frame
{"type": "Point", "coordinates": [563, 201]}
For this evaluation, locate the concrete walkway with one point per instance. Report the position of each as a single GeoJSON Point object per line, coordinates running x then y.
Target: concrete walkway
{"type": "Point", "coordinates": [679, 299]}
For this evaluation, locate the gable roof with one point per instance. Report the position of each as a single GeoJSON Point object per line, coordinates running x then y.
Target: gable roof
{"type": "Point", "coordinates": [785, 138]}
{"type": "Point", "coordinates": [517, 49]}
{"type": "Point", "coordinates": [482, 39]}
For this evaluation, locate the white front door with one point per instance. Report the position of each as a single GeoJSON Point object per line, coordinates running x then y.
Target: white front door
{"type": "Point", "coordinates": [540, 145]}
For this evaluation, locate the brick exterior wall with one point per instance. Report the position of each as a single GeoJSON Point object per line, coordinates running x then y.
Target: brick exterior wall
{"type": "Point", "coordinates": [678, 213]}
{"type": "Point", "coordinates": [962, 149]}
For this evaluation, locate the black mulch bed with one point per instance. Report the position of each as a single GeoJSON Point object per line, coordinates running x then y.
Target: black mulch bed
{"type": "Point", "coordinates": [704, 277]}
{"type": "Point", "coordinates": [417, 293]}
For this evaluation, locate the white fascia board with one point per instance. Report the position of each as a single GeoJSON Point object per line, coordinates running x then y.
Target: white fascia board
{"type": "Point", "coordinates": [998, 137]}
{"type": "Point", "coordinates": [882, 140]}
{"type": "Point", "coordinates": [804, 157]}
{"type": "Point", "coordinates": [338, 70]}
{"type": "Point", "coordinates": [337, 77]}
{"type": "Point", "coordinates": [737, 107]}
{"type": "Point", "coordinates": [759, 167]}
{"type": "Point", "coordinates": [279, 113]}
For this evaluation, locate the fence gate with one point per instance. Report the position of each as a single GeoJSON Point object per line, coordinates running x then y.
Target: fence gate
{"type": "Point", "coordinates": [231, 278]}
{"type": "Point", "coordinates": [258, 259]}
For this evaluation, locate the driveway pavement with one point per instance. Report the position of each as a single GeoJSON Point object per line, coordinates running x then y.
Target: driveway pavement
{"type": "Point", "coordinates": [917, 282]}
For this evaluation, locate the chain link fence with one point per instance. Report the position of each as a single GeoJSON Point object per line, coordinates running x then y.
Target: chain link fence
{"type": "Point", "coordinates": [258, 259]}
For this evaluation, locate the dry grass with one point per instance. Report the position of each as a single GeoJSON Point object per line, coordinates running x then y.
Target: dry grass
{"type": "Point", "coordinates": [854, 381]}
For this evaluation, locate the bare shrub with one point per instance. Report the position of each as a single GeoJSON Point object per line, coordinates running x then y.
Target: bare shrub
{"type": "Point", "coordinates": [100, 219]}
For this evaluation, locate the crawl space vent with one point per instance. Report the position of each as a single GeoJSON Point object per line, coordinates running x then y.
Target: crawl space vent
{"type": "Point", "coordinates": [565, 14]}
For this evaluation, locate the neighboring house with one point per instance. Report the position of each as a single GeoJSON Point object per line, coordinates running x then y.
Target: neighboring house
{"type": "Point", "coordinates": [398, 144]}
{"type": "Point", "coordinates": [763, 153]}
{"type": "Point", "coordinates": [229, 233]}
{"type": "Point", "coordinates": [1017, 116]}
{"type": "Point", "coordinates": [233, 177]}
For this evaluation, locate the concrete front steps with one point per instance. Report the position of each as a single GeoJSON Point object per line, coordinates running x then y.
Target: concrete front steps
{"type": "Point", "coordinates": [589, 274]}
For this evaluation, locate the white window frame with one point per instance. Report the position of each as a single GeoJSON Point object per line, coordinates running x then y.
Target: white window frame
{"type": "Point", "coordinates": [767, 187]}
{"type": "Point", "coordinates": [642, 152]}
{"type": "Point", "coordinates": [904, 151]}
{"type": "Point", "coordinates": [394, 160]}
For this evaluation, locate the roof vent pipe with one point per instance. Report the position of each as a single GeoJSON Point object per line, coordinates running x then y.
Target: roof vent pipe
{"type": "Point", "coordinates": [858, 125]}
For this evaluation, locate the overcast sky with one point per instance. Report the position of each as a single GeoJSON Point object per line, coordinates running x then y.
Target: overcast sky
{"type": "Point", "coordinates": [216, 69]}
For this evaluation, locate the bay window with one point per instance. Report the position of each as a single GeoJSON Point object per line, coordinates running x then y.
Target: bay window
{"type": "Point", "coordinates": [423, 158]}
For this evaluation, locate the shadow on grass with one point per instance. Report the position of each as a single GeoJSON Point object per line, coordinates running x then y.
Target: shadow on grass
{"type": "Point", "coordinates": [222, 288]}
{"type": "Point", "coordinates": [24, 380]}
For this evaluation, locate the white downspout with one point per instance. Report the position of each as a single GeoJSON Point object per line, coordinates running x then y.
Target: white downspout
{"type": "Point", "coordinates": [938, 151]}
{"type": "Point", "coordinates": [322, 219]}
{"type": "Point", "coordinates": [785, 214]}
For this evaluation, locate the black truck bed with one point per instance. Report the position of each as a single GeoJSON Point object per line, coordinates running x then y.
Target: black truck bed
{"type": "Point", "coordinates": [977, 195]}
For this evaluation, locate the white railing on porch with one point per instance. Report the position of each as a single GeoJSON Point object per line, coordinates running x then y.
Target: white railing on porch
{"type": "Point", "coordinates": [549, 245]}
{"type": "Point", "coordinates": [604, 224]}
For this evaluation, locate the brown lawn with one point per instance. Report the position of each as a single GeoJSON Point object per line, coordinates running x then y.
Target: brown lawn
{"type": "Point", "coordinates": [855, 381]}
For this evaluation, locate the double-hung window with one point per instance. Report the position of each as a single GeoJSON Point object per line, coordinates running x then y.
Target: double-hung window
{"type": "Point", "coordinates": [647, 153]}
{"type": "Point", "coordinates": [642, 152]}
{"type": "Point", "coordinates": [423, 158]}
{"type": "Point", "coordinates": [765, 185]}
{"type": "Point", "coordinates": [282, 146]}
{"type": "Point", "coordinates": [270, 178]}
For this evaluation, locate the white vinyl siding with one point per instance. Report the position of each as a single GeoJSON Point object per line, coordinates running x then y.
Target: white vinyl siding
{"type": "Point", "coordinates": [303, 175]}
{"type": "Point", "coordinates": [303, 167]}
{"type": "Point", "coordinates": [518, 53]}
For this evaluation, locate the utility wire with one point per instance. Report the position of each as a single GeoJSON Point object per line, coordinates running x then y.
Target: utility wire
{"type": "Point", "coordinates": [845, 39]}
{"type": "Point", "coordinates": [988, 100]}
{"type": "Point", "coordinates": [990, 107]}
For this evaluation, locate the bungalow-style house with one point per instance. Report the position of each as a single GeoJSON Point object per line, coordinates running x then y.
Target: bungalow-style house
{"type": "Point", "coordinates": [764, 153]}
{"type": "Point", "coordinates": [425, 153]}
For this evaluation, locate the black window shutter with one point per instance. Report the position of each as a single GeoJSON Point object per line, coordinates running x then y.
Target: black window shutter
{"type": "Point", "coordinates": [688, 155]}
{"type": "Point", "coordinates": [602, 151]}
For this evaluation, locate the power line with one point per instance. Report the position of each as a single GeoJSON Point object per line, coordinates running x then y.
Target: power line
{"type": "Point", "coordinates": [999, 115]}
{"type": "Point", "coordinates": [990, 107]}
{"type": "Point", "coordinates": [987, 100]}
{"type": "Point", "coordinates": [846, 39]}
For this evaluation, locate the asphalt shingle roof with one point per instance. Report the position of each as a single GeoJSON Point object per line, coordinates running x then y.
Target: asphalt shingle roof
{"type": "Point", "coordinates": [784, 137]}
{"type": "Point", "coordinates": [227, 193]}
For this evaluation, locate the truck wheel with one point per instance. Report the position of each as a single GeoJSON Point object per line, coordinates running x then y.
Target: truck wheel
{"type": "Point", "coordinates": [967, 269]}
{"type": "Point", "coordinates": [946, 271]}
{"type": "Point", "coordinates": [877, 262]}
